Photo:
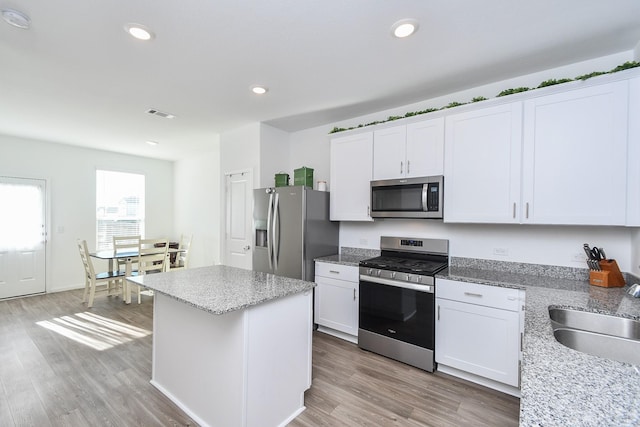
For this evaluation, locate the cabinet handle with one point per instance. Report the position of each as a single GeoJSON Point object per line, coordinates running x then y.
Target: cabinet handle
{"type": "Point", "coordinates": [334, 272]}
{"type": "Point", "coordinates": [408, 165]}
{"type": "Point", "coordinates": [527, 210]}
{"type": "Point", "coordinates": [438, 311]}
{"type": "Point", "coordinates": [514, 210]}
{"type": "Point", "coordinates": [471, 294]}
{"type": "Point", "coordinates": [368, 210]}
{"type": "Point", "coordinates": [400, 168]}
{"type": "Point", "coordinates": [354, 294]}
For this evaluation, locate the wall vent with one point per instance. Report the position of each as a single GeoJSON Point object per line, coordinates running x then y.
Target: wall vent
{"type": "Point", "coordinates": [160, 113]}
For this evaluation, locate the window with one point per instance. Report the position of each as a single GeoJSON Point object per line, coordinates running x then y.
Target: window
{"type": "Point", "coordinates": [119, 206]}
{"type": "Point", "coordinates": [22, 214]}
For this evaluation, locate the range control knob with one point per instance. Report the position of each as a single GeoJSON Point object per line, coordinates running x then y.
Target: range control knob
{"type": "Point", "coordinates": [393, 274]}
{"type": "Point", "coordinates": [419, 279]}
{"type": "Point", "coordinates": [370, 272]}
{"type": "Point", "coordinates": [378, 273]}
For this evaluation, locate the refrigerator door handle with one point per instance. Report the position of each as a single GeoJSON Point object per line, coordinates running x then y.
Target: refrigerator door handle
{"type": "Point", "coordinates": [276, 232]}
{"type": "Point", "coordinates": [269, 231]}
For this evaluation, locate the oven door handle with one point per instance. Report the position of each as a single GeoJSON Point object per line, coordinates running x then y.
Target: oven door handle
{"type": "Point", "coordinates": [382, 281]}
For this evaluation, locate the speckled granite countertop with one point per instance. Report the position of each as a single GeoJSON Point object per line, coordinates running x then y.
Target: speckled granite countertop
{"type": "Point", "coordinates": [220, 289]}
{"type": "Point", "coordinates": [561, 386]}
{"type": "Point", "coordinates": [349, 256]}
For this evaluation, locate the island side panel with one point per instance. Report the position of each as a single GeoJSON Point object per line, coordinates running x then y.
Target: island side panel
{"type": "Point", "coordinates": [279, 359]}
{"type": "Point", "coordinates": [198, 361]}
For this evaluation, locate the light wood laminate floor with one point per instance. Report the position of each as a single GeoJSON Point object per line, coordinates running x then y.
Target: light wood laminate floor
{"type": "Point", "coordinates": [353, 387]}
{"type": "Point", "coordinates": [64, 365]}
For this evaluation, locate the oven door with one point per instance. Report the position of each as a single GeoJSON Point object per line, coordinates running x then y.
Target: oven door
{"type": "Point", "coordinates": [398, 310]}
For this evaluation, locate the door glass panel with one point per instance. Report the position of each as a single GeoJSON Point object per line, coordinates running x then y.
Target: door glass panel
{"type": "Point", "coordinates": [21, 218]}
{"type": "Point", "coordinates": [403, 314]}
{"type": "Point", "coordinates": [406, 198]}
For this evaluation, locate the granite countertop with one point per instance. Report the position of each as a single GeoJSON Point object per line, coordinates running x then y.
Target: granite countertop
{"type": "Point", "coordinates": [220, 289]}
{"type": "Point", "coordinates": [350, 256]}
{"type": "Point", "coordinates": [343, 259]}
{"type": "Point", "coordinates": [561, 386]}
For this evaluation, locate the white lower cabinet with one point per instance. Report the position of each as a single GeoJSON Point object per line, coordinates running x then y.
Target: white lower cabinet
{"type": "Point", "coordinates": [479, 331]}
{"type": "Point", "coordinates": [336, 300]}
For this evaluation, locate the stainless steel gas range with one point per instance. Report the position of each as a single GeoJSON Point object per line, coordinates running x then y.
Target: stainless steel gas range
{"type": "Point", "coordinates": [397, 299]}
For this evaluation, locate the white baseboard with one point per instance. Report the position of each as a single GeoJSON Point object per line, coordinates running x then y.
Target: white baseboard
{"type": "Point", "coordinates": [338, 334]}
{"type": "Point", "coordinates": [504, 388]}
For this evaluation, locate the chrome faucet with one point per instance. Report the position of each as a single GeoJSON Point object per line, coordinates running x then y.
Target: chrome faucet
{"type": "Point", "coordinates": [634, 290]}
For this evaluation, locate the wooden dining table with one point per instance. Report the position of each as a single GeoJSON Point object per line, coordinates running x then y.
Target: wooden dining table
{"type": "Point", "coordinates": [129, 257]}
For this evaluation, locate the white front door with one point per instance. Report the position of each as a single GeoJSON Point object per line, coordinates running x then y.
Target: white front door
{"type": "Point", "coordinates": [239, 201]}
{"type": "Point", "coordinates": [22, 237]}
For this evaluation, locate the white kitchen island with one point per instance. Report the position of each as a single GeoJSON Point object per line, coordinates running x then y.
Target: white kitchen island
{"type": "Point", "coordinates": [231, 347]}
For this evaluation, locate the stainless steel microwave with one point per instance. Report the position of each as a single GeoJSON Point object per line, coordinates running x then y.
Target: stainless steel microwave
{"type": "Point", "coordinates": [407, 198]}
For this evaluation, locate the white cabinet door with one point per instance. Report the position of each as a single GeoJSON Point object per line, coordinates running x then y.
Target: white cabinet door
{"type": "Point", "coordinates": [575, 155]}
{"type": "Point", "coordinates": [425, 148]}
{"type": "Point", "coordinates": [389, 153]}
{"type": "Point", "coordinates": [351, 170]}
{"type": "Point", "coordinates": [481, 340]}
{"type": "Point", "coordinates": [482, 165]}
{"type": "Point", "coordinates": [336, 300]}
{"type": "Point", "coordinates": [633, 171]}
{"type": "Point", "coordinates": [409, 151]}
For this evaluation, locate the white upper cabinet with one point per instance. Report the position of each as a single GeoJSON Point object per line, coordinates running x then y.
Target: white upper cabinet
{"type": "Point", "coordinates": [389, 153]}
{"type": "Point", "coordinates": [351, 172]}
{"type": "Point", "coordinates": [409, 151]}
{"type": "Point", "coordinates": [633, 157]}
{"type": "Point", "coordinates": [575, 156]}
{"type": "Point", "coordinates": [482, 165]}
{"type": "Point", "coordinates": [554, 159]}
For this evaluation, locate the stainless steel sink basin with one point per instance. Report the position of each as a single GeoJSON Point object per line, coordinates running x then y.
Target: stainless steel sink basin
{"type": "Point", "coordinates": [595, 322]}
{"type": "Point", "coordinates": [601, 335]}
{"type": "Point", "coordinates": [607, 346]}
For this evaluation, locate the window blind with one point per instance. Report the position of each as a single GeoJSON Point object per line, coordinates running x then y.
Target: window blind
{"type": "Point", "coordinates": [120, 202]}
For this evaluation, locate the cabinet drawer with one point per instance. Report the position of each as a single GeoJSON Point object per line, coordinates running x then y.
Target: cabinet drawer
{"type": "Point", "coordinates": [337, 271]}
{"type": "Point", "coordinates": [474, 293]}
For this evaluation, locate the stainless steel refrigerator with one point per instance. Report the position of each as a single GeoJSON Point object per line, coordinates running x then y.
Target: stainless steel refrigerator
{"type": "Point", "coordinates": [291, 227]}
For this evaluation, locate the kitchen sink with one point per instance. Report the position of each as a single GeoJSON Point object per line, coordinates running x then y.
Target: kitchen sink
{"type": "Point", "coordinates": [601, 335]}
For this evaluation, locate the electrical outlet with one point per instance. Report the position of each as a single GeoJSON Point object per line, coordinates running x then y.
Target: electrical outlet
{"type": "Point", "coordinates": [501, 251]}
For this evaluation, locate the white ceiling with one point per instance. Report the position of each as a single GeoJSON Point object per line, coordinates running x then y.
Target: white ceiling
{"type": "Point", "coordinates": [76, 77]}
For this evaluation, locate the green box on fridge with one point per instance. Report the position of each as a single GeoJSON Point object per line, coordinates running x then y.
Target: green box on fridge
{"type": "Point", "coordinates": [303, 176]}
{"type": "Point", "coordinates": [282, 179]}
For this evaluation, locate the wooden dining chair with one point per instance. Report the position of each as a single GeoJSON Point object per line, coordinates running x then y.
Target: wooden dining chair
{"type": "Point", "coordinates": [182, 257]}
{"type": "Point", "coordinates": [152, 258]}
{"type": "Point", "coordinates": [110, 279]}
{"type": "Point", "coordinates": [124, 244]}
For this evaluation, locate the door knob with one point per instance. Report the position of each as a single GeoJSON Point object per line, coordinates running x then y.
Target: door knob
{"type": "Point", "coordinates": [246, 248]}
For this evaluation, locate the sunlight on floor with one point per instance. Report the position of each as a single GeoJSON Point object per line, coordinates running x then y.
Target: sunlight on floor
{"type": "Point", "coordinates": [98, 332]}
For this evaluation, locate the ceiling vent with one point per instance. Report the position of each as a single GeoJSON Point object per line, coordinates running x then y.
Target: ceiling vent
{"type": "Point", "coordinates": [160, 113]}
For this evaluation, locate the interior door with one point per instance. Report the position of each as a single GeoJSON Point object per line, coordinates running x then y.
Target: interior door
{"type": "Point", "coordinates": [239, 194]}
{"type": "Point", "coordinates": [22, 237]}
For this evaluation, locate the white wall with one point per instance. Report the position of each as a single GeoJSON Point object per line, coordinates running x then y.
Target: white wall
{"type": "Point", "coordinates": [70, 174]}
{"type": "Point", "coordinates": [240, 150]}
{"type": "Point", "coordinates": [197, 202]}
{"type": "Point", "coordinates": [635, 252]}
{"type": "Point", "coordinates": [274, 158]}
{"type": "Point", "coordinates": [555, 245]}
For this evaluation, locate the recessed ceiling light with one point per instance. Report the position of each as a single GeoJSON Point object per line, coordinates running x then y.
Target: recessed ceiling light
{"type": "Point", "coordinates": [16, 18]}
{"type": "Point", "coordinates": [259, 90]}
{"type": "Point", "coordinates": [404, 28]}
{"type": "Point", "coordinates": [153, 143]}
{"type": "Point", "coordinates": [139, 31]}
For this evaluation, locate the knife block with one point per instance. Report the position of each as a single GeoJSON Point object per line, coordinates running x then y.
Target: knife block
{"type": "Point", "coordinates": [609, 277]}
